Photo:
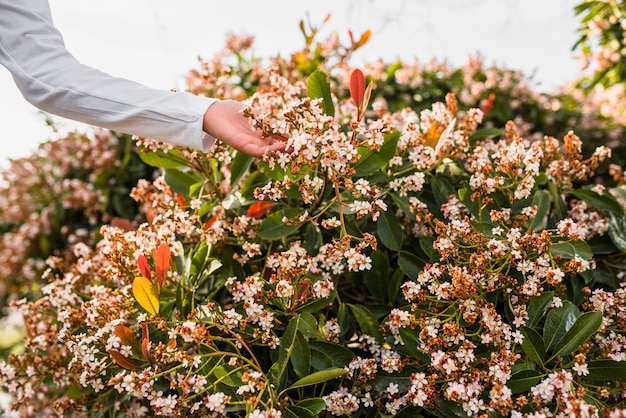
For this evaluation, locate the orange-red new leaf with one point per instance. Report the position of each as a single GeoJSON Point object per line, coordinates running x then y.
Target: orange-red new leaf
{"type": "Point", "coordinates": [258, 209]}
{"type": "Point", "coordinates": [144, 267]}
{"type": "Point", "coordinates": [145, 343]}
{"type": "Point", "coordinates": [146, 294]}
{"type": "Point", "coordinates": [162, 263]}
{"type": "Point", "coordinates": [357, 87]}
{"type": "Point", "coordinates": [126, 336]}
{"type": "Point", "coordinates": [123, 361]}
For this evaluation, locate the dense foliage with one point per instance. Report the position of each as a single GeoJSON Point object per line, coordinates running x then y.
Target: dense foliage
{"type": "Point", "coordinates": [435, 242]}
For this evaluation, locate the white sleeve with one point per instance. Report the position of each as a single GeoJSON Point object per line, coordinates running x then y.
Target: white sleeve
{"type": "Point", "coordinates": [50, 78]}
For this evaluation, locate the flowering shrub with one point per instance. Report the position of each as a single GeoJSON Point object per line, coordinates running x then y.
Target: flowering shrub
{"type": "Point", "coordinates": [602, 42]}
{"type": "Point", "coordinates": [389, 263]}
{"type": "Point", "coordinates": [58, 197]}
{"type": "Point", "coordinates": [416, 260]}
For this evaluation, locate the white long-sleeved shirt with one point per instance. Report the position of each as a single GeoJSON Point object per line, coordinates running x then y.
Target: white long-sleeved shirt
{"type": "Point", "coordinates": [50, 78]}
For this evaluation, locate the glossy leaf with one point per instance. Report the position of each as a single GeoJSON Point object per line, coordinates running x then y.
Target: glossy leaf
{"type": "Point", "coordinates": [357, 87]}
{"type": "Point", "coordinates": [301, 356]}
{"type": "Point", "coordinates": [146, 294]}
{"type": "Point", "coordinates": [127, 337]}
{"type": "Point", "coordinates": [162, 264]}
{"type": "Point", "coordinates": [295, 411]}
{"type": "Point", "coordinates": [313, 405]}
{"type": "Point", "coordinates": [604, 202]}
{"type": "Point", "coordinates": [161, 159]}
{"type": "Point", "coordinates": [542, 201]}
{"type": "Point", "coordinates": [179, 181]}
{"type": "Point", "coordinates": [239, 167]}
{"type": "Point", "coordinates": [145, 343]}
{"type": "Point", "coordinates": [537, 308]}
{"type": "Point", "coordinates": [317, 377]}
{"type": "Point", "coordinates": [123, 361]}
{"type": "Point", "coordinates": [377, 278]}
{"type": "Point", "coordinates": [569, 250]}
{"type": "Point", "coordinates": [367, 322]}
{"type": "Point", "coordinates": [144, 267]}
{"type": "Point", "coordinates": [411, 341]}
{"type": "Point", "coordinates": [533, 345]}
{"type": "Point", "coordinates": [606, 369]}
{"type": "Point", "coordinates": [485, 133]}
{"type": "Point", "coordinates": [273, 228]}
{"type": "Point", "coordinates": [410, 264]}
{"type": "Point", "coordinates": [584, 327]}
{"type": "Point", "coordinates": [617, 230]}
{"type": "Point", "coordinates": [308, 325]}
{"type": "Point", "coordinates": [278, 372]}
{"type": "Point", "coordinates": [558, 322]}
{"type": "Point", "coordinates": [389, 230]}
{"type": "Point", "coordinates": [524, 380]}
{"type": "Point", "coordinates": [339, 355]}
{"type": "Point", "coordinates": [372, 160]}
{"type": "Point", "coordinates": [319, 88]}
{"type": "Point", "coordinates": [260, 209]}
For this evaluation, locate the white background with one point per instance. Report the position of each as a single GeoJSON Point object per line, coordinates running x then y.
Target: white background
{"type": "Point", "coordinates": [157, 41]}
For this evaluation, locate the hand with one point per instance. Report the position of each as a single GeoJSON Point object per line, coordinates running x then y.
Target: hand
{"type": "Point", "coordinates": [225, 121]}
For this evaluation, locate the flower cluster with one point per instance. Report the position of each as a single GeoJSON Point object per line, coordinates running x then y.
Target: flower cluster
{"type": "Point", "coordinates": [414, 260]}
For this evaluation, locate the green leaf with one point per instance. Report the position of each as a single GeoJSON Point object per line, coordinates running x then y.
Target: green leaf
{"type": "Point", "coordinates": [160, 159]}
{"type": "Point", "coordinates": [367, 322]}
{"type": "Point", "coordinates": [569, 250]}
{"type": "Point", "coordinates": [301, 356]}
{"type": "Point", "coordinates": [312, 238]}
{"type": "Point", "coordinates": [295, 411]}
{"type": "Point", "coordinates": [377, 278]}
{"type": "Point", "coordinates": [278, 371]}
{"type": "Point", "coordinates": [319, 88]}
{"type": "Point", "coordinates": [411, 341]}
{"type": "Point", "coordinates": [179, 181]}
{"type": "Point", "coordinates": [76, 391]}
{"type": "Point", "coordinates": [485, 133]}
{"type": "Point", "coordinates": [410, 264]}
{"type": "Point", "coordinates": [560, 209]}
{"type": "Point", "coordinates": [239, 167]}
{"type": "Point", "coordinates": [533, 345]}
{"type": "Point", "coordinates": [338, 354]}
{"type": "Point", "coordinates": [389, 230]}
{"type": "Point", "coordinates": [604, 202]}
{"type": "Point", "coordinates": [537, 308]}
{"type": "Point", "coordinates": [372, 160]}
{"type": "Point", "coordinates": [317, 377]}
{"type": "Point", "coordinates": [228, 375]}
{"type": "Point", "coordinates": [606, 369]}
{"type": "Point", "coordinates": [308, 325]}
{"type": "Point", "coordinates": [273, 228]}
{"type": "Point", "coordinates": [617, 230]}
{"type": "Point", "coordinates": [584, 327]}
{"type": "Point", "coordinates": [314, 405]}
{"type": "Point", "coordinates": [395, 283]}
{"type": "Point", "coordinates": [523, 381]}
{"type": "Point", "coordinates": [542, 201]}
{"type": "Point", "coordinates": [558, 322]}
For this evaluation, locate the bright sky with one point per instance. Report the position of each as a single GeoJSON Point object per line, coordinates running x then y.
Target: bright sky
{"type": "Point", "coordinates": [157, 41]}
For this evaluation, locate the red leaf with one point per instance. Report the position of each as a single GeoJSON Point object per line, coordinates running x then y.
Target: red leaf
{"type": "Point", "coordinates": [144, 267]}
{"type": "Point", "coordinates": [145, 343]}
{"type": "Point", "coordinates": [126, 335]}
{"type": "Point", "coordinates": [123, 361]}
{"type": "Point", "coordinates": [162, 263]}
{"type": "Point", "coordinates": [357, 87]}
{"type": "Point", "coordinates": [258, 209]}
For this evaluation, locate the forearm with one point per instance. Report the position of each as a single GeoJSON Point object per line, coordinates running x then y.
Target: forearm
{"type": "Point", "coordinates": [54, 81]}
